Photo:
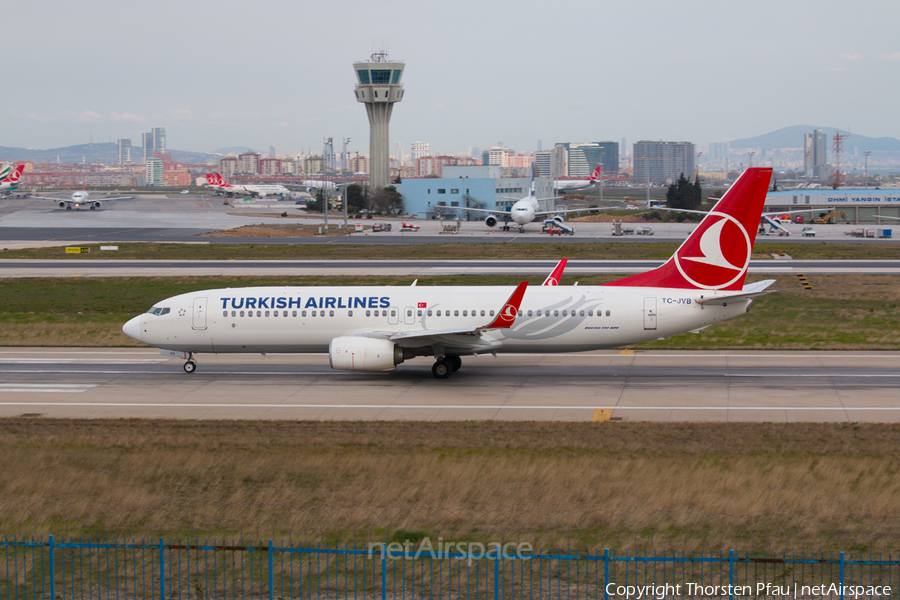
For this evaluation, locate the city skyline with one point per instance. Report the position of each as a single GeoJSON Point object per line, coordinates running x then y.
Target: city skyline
{"type": "Point", "coordinates": [702, 72]}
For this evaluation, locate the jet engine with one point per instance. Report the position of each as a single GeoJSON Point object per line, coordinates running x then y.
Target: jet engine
{"type": "Point", "coordinates": [62, 203]}
{"type": "Point", "coordinates": [354, 353]}
{"type": "Point", "coordinates": [491, 221]}
{"type": "Point", "coordinates": [96, 204]}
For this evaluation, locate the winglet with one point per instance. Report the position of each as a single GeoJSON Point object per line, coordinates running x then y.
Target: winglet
{"type": "Point", "coordinates": [507, 315]}
{"type": "Point", "coordinates": [555, 275]}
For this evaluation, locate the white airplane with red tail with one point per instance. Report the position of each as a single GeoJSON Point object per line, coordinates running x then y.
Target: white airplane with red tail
{"type": "Point", "coordinates": [568, 185]}
{"type": "Point", "coordinates": [218, 183]}
{"type": "Point", "coordinates": [377, 328]}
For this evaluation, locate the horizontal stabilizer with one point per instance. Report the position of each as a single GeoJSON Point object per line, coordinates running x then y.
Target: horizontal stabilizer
{"type": "Point", "coordinates": [750, 291]}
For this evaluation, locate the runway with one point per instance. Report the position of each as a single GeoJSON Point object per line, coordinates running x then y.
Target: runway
{"type": "Point", "coordinates": [598, 386]}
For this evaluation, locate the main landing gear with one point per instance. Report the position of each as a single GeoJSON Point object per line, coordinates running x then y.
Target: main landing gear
{"type": "Point", "coordinates": [191, 365]}
{"type": "Point", "coordinates": [446, 365]}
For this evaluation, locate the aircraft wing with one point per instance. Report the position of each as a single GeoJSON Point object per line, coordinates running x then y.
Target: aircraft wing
{"type": "Point", "coordinates": [118, 198]}
{"type": "Point", "coordinates": [487, 211]}
{"type": "Point", "coordinates": [750, 291]}
{"type": "Point", "coordinates": [886, 217]}
{"type": "Point", "coordinates": [54, 199]}
{"type": "Point", "coordinates": [544, 213]}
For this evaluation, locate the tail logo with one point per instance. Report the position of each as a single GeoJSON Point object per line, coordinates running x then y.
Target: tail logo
{"type": "Point", "coordinates": [509, 312]}
{"type": "Point", "coordinates": [708, 263]}
{"type": "Point", "coordinates": [552, 281]}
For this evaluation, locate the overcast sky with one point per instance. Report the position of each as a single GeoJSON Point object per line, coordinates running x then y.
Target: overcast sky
{"type": "Point", "coordinates": [279, 72]}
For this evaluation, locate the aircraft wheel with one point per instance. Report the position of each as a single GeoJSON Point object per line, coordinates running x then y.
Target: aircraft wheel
{"type": "Point", "coordinates": [190, 366]}
{"type": "Point", "coordinates": [68, 208]}
{"type": "Point", "coordinates": [441, 369]}
{"type": "Point", "coordinates": [455, 362]}
{"type": "Point", "coordinates": [93, 207]}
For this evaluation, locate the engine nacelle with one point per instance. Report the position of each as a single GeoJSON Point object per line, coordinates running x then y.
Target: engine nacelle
{"type": "Point", "coordinates": [558, 219]}
{"type": "Point", "coordinates": [491, 221]}
{"type": "Point", "coordinates": [97, 204]}
{"type": "Point", "coordinates": [355, 353]}
{"type": "Point", "coordinates": [62, 203]}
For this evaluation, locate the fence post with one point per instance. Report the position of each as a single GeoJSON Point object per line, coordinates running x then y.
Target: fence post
{"type": "Point", "coordinates": [731, 575]}
{"type": "Point", "coordinates": [497, 573]}
{"type": "Point", "coordinates": [384, 572]}
{"type": "Point", "coordinates": [271, 572]}
{"type": "Point", "coordinates": [162, 570]}
{"type": "Point", "coordinates": [52, 568]}
{"type": "Point", "coordinates": [606, 574]}
{"type": "Point", "coordinates": [842, 576]}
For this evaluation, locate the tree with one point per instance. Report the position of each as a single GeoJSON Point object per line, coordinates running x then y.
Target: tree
{"type": "Point", "coordinates": [317, 204]}
{"type": "Point", "coordinates": [684, 195]}
{"type": "Point", "coordinates": [356, 200]}
{"type": "Point", "coordinates": [387, 201]}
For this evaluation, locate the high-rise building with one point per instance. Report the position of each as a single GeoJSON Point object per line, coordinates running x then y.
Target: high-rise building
{"type": "Point", "coordinates": [154, 171]}
{"type": "Point", "coordinates": [816, 153]}
{"type": "Point", "coordinates": [379, 88]}
{"type": "Point", "coordinates": [124, 152]}
{"type": "Point", "coordinates": [159, 139]}
{"type": "Point", "coordinates": [419, 149]}
{"type": "Point", "coordinates": [269, 166]}
{"type": "Point", "coordinates": [313, 165]}
{"type": "Point", "coordinates": [359, 164]}
{"type": "Point", "coordinates": [609, 156]}
{"type": "Point", "coordinates": [248, 162]}
{"type": "Point", "coordinates": [542, 163]}
{"type": "Point", "coordinates": [228, 166]}
{"type": "Point", "coordinates": [662, 162]}
{"type": "Point", "coordinates": [583, 157]}
{"type": "Point", "coordinates": [146, 147]}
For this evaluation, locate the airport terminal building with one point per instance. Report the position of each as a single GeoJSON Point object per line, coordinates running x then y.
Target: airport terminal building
{"type": "Point", "coordinates": [861, 206]}
{"type": "Point", "coordinates": [472, 187]}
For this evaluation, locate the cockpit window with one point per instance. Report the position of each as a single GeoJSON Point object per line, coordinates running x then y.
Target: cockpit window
{"type": "Point", "coordinates": [158, 311]}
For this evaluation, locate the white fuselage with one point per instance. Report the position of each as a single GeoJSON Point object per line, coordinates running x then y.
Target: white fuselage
{"type": "Point", "coordinates": [80, 198]}
{"type": "Point", "coordinates": [573, 184]}
{"type": "Point", "coordinates": [307, 319]}
{"type": "Point", "coordinates": [522, 212]}
{"type": "Point", "coordinates": [261, 190]}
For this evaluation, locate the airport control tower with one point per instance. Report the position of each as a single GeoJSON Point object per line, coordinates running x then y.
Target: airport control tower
{"type": "Point", "coordinates": [378, 86]}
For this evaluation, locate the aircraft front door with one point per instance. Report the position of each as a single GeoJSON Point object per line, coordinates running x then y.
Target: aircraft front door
{"type": "Point", "coordinates": [649, 313]}
{"type": "Point", "coordinates": [199, 321]}
{"type": "Point", "coordinates": [393, 315]}
{"type": "Point", "coordinates": [409, 315]}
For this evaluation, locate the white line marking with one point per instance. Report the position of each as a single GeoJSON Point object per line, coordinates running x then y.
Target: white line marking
{"type": "Point", "coordinates": [41, 388]}
{"type": "Point", "coordinates": [448, 406]}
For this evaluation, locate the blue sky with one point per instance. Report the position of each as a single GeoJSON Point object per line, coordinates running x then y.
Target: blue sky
{"type": "Point", "coordinates": [279, 73]}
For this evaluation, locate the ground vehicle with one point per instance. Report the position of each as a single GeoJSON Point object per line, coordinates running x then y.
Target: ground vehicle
{"type": "Point", "coordinates": [829, 218]}
{"type": "Point", "coordinates": [808, 232]}
{"type": "Point", "coordinates": [185, 192]}
{"type": "Point", "coordinates": [555, 228]}
{"type": "Point", "coordinates": [381, 227]}
{"type": "Point", "coordinates": [799, 219]}
{"type": "Point", "coordinates": [409, 227]}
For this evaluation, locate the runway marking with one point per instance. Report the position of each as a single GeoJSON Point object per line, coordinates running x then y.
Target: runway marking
{"type": "Point", "coordinates": [626, 352]}
{"type": "Point", "coordinates": [42, 388]}
{"type": "Point", "coordinates": [69, 361]}
{"type": "Point", "coordinates": [448, 406]}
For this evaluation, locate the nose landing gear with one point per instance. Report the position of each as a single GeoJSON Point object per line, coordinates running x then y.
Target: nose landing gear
{"type": "Point", "coordinates": [191, 365]}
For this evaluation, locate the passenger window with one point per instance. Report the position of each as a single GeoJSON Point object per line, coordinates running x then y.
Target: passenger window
{"type": "Point", "coordinates": [242, 313]}
{"type": "Point", "coordinates": [330, 313]}
{"type": "Point", "coordinates": [313, 313]}
{"type": "Point", "coordinates": [409, 313]}
{"type": "Point", "coordinates": [368, 313]}
{"type": "Point", "coordinates": [349, 313]}
{"type": "Point", "coordinates": [294, 313]}
{"type": "Point", "coordinates": [393, 313]}
{"type": "Point", "coordinates": [225, 313]}
{"type": "Point", "coordinates": [259, 313]}
{"type": "Point", "coordinates": [529, 313]}
{"type": "Point", "coordinates": [555, 313]}
{"type": "Point", "coordinates": [429, 312]}
{"type": "Point", "coordinates": [438, 312]}
{"type": "Point", "coordinates": [455, 313]}
{"type": "Point", "coordinates": [482, 312]}
{"type": "Point", "coordinates": [267, 313]}
{"type": "Point", "coordinates": [520, 312]}
{"type": "Point", "coordinates": [420, 313]}
{"type": "Point", "coordinates": [465, 313]}
{"type": "Point", "coordinates": [538, 312]}
{"type": "Point", "coordinates": [492, 313]}
{"type": "Point", "coordinates": [232, 313]}
{"type": "Point", "coordinates": [607, 313]}
{"type": "Point", "coordinates": [303, 314]}
{"type": "Point", "coordinates": [590, 313]}
{"type": "Point", "coordinates": [249, 313]}
{"type": "Point", "coordinates": [581, 313]}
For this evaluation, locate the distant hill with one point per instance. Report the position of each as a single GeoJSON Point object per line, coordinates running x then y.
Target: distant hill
{"type": "Point", "coordinates": [106, 153]}
{"type": "Point", "coordinates": [233, 150]}
{"type": "Point", "coordinates": [792, 137]}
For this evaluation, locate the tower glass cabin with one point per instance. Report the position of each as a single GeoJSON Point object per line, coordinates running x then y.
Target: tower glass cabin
{"type": "Point", "coordinates": [378, 87]}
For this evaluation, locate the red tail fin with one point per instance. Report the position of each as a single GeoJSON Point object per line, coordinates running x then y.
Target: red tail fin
{"type": "Point", "coordinates": [16, 174]}
{"type": "Point", "coordinates": [717, 253]}
{"type": "Point", "coordinates": [556, 274]}
{"type": "Point", "coordinates": [595, 175]}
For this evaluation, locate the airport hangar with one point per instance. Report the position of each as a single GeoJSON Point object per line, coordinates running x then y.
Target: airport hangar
{"type": "Point", "coordinates": [860, 205]}
{"type": "Point", "coordinates": [472, 187]}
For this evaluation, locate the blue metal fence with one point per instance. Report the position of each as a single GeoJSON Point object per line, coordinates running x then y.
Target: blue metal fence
{"type": "Point", "coordinates": [78, 569]}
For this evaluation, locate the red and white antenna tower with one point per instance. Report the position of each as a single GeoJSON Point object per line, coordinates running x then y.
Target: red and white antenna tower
{"type": "Point", "coordinates": [837, 177]}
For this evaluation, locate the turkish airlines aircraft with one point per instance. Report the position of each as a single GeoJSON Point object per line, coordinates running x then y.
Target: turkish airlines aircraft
{"type": "Point", "coordinates": [9, 177]}
{"type": "Point", "coordinates": [578, 184]}
{"type": "Point", "coordinates": [218, 183]}
{"type": "Point", "coordinates": [377, 328]}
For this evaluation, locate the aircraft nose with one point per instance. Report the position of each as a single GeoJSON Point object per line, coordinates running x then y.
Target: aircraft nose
{"type": "Point", "coordinates": [133, 328]}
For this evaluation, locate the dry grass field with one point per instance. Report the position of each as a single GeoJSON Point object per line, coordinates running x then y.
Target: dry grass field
{"type": "Point", "coordinates": [803, 487]}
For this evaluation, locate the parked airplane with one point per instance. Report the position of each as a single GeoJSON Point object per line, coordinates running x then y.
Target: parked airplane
{"type": "Point", "coordinates": [81, 198]}
{"type": "Point", "coordinates": [376, 328]}
{"type": "Point", "coordinates": [525, 210]}
{"type": "Point", "coordinates": [218, 183]}
{"type": "Point", "coordinates": [9, 177]}
{"type": "Point", "coordinates": [578, 184]}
